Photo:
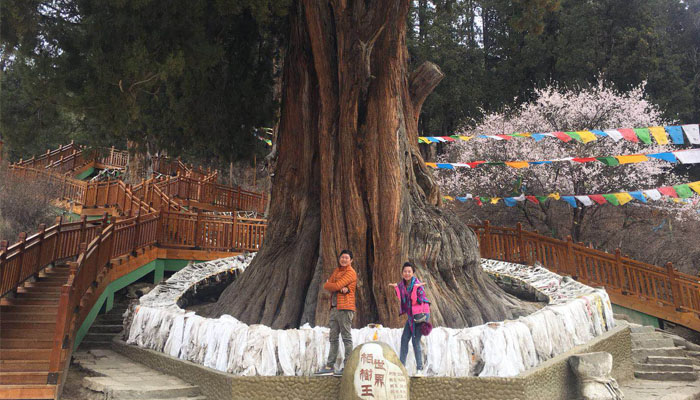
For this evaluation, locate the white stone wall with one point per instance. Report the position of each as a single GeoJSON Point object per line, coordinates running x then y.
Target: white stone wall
{"type": "Point", "coordinates": [576, 313]}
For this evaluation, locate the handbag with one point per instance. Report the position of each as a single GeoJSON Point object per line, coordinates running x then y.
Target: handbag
{"type": "Point", "coordinates": [420, 318]}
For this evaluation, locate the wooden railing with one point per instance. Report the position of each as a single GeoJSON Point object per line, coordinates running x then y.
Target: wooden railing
{"type": "Point", "coordinates": [50, 156]}
{"type": "Point", "coordinates": [211, 232]}
{"type": "Point", "coordinates": [660, 291]}
{"type": "Point", "coordinates": [97, 243]}
{"type": "Point", "coordinates": [29, 255]}
{"type": "Point", "coordinates": [184, 188]}
{"type": "Point", "coordinates": [115, 158]}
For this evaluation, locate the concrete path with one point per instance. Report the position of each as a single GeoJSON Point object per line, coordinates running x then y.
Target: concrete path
{"type": "Point", "coordinates": [121, 378]}
{"type": "Point", "coordinates": [640, 389]}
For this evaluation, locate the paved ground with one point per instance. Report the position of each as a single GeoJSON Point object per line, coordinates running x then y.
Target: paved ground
{"type": "Point", "coordinates": [116, 376]}
{"type": "Point", "coordinates": [639, 389]}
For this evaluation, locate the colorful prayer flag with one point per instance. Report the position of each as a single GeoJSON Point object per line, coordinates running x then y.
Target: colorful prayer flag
{"type": "Point", "coordinates": [598, 198]}
{"type": "Point", "coordinates": [659, 134]}
{"type": "Point", "coordinates": [611, 199]}
{"type": "Point", "coordinates": [585, 200]}
{"type": "Point", "coordinates": [693, 133]}
{"type": "Point", "coordinates": [634, 158]}
{"type": "Point", "coordinates": [614, 134]}
{"type": "Point", "coordinates": [695, 186]}
{"type": "Point", "coordinates": [668, 156]}
{"type": "Point", "coordinates": [518, 164]}
{"type": "Point", "coordinates": [638, 195]}
{"type": "Point", "coordinates": [562, 136]}
{"type": "Point", "coordinates": [683, 191]}
{"type": "Point", "coordinates": [668, 191]}
{"type": "Point", "coordinates": [571, 200]}
{"type": "Point", "coordinates": [623, 197]}
{"type": "Point", "coordinates": [691, 156]}
{"type": "Point", "coordinates": [629, 134]}
{"type": "Point", "coordinates": [586, 136]}
{"type": "Point", "coordinates": [676, 134]}
{"type": "Point", "coordinates": [643, 135]}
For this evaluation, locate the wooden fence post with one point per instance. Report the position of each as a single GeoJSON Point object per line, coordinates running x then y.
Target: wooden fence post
{"type": "Point", "coordinates": [39, 257]}
{"type": "Point", "coordinates": [521, 245]}
{"type": "Point", "coordinates": [59, 337]}
{"type": "Point", "coordinates": [570, 257]}
{"type": "Point", "coordinates": [57, 241]}
{"type": "Point", "coordinates": [486, 245]}
{"type": "Point", "coordinates": [196, 228]}
{"type": "Point", "coordinates": [22, 243]}
{"type": "Point", "coordinates": [619, 269]}
{"type": "Point", "coordinates": [675, 287]}
{"type": "Point", "coordinates": [3, 253]}
{"type": "Point", "coordinates": [137, 229]}
{"type": "Point", "coordinates": [83, 222]}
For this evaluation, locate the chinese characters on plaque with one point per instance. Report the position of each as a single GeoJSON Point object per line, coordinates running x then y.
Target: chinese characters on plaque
{"type": "Point", "coordinates": [378, 378]}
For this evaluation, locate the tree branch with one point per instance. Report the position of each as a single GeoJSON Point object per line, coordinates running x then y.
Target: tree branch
{"type": "Point", "coordinates": [422, 82]}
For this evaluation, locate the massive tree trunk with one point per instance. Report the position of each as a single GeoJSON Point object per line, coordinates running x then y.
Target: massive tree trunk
{"type": "Point", "coordinates": [349, 175]}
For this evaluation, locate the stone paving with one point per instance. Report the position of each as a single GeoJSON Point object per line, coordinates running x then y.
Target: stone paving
{"type": "Point", "coordinates": [121, 378]}
{"type": "Point", "coordinates": [639, 389]}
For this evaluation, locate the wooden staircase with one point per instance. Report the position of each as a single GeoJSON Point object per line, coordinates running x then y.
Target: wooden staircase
{"type": "Point", "coordinates": [43, 303]}
{"type": "Point", "coordinates": [27, 326]}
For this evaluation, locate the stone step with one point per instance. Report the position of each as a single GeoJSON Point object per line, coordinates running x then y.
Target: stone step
{"type": "Point", "coordinates": [98, 337]}
{"type": "Point", "coordinates": [647, 336]}
{"type": "Point", "coordinates": [640, 355]}
{"type": "Point", "coordinates": [652, 343]}
{"type": "Point", "coordinates": [110, 318]}
{"type": "Point", "coordinates": [669, 360]}
{"type": "Point", "coordinates": [642, 329]}
{"type": "Point", "coordinates": [106, 328]}
{"type": "Point", "coordinates": [666, 376]}
{"type": "Point", "coordinates": [181, 398]}
{"type": "Point", "coordinates": [115, 390]}
{"type": "Point", "coordinates": [695, 354]}
{"type": "Point", "coordinates": [662, 367]}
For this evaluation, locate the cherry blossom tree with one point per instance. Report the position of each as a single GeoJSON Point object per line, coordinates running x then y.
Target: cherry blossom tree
{"type": "Point", "coordinates": [598, 107]}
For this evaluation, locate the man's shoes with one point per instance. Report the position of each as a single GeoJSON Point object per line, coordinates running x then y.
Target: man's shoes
{"type": "Point", "coordinates": [339, 372]}
{"type": "Point", "coordinates": [419, 373]}
{"type": "Point", "coordinates": [325, 371]}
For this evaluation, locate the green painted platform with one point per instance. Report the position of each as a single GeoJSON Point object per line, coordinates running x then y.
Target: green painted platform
{"type": "Point", "coordinates": [106, 299]}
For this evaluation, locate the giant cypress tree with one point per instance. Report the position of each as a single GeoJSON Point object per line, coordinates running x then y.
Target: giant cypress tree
{"type": "Point", "coordinates": [348, 171]}
{"type": "Point", "coordinates": [349, 175]}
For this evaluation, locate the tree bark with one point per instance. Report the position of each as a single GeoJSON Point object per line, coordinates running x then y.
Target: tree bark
{"type": "Point", "coordinates": [349, 175]}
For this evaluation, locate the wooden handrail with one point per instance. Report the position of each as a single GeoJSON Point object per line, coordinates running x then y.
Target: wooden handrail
{"type": "Point", "coordinates": [648, 287]}
{"type": "Point", "coordinates": [107, 240]}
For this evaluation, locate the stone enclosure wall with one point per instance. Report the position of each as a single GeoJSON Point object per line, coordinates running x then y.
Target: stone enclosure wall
{"type": "Point", "coordinates": [551, 380]}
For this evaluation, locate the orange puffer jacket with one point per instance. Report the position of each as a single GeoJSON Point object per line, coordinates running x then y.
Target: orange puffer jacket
{"type": "Point", "coordinates": [340, 278]}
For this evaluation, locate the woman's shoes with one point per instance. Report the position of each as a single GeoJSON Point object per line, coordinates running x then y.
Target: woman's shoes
{"type": "Point", "coordinates": [325, 371]}
{"type": "Point", "coordinates": [419, 374]}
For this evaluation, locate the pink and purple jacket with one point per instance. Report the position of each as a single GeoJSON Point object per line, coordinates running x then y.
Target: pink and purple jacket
{"type": "Point", "coordinates": [419, 304]}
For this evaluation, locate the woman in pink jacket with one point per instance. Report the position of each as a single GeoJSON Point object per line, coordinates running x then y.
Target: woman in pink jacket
{"type": "Point", "coordinates": [417, 307]}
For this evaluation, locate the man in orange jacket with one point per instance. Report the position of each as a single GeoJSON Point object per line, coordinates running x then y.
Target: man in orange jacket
{"type": "Point", "coordinates": [342, 285]}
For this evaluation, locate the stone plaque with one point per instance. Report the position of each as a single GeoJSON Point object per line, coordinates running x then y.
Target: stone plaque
{"type": "Point", "coordinates": [374, 371]}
